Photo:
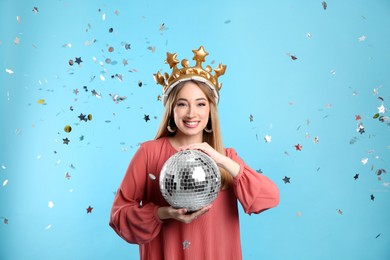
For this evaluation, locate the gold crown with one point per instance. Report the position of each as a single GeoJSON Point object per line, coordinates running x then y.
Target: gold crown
{"type": "Point", "coordinates": [190, 73]}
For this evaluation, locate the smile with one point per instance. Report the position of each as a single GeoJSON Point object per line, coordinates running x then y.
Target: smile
{"type": "Point", "coordinates": [191, 124]}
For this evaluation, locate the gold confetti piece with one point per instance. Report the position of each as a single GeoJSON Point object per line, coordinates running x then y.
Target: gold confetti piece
{"type": "Point", "coordinates": [68, 128]}
{"type": "Point", "coordinates": [90, 117]}
{"type": "Point", "coordinates": [41, 101]}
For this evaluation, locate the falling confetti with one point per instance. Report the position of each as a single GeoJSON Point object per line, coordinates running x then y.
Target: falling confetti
{"type": "Point", "coordinates": [364, 160]}
{"type": "Point", "coordinates": [50, 204]}
{"type": "Point", "coordinates": [146, 118]}
{"type": "Point", "coordinates": [48, 227]}
{"type": "Point", "coordinates": [5, 182]}
{"type": "Point", "coordinates": [35, 10]}
{"type": "Point", "coordinates": [356, 176]}
{"type": "Point", "coordinates": [339, 211]}
{"type": "Point", "coordinates": [66, 141]}
{"type": "Point", "coordinates": [186, 244]}
{"type": "Point", "coordinates": [67, 128]}
{"type": "Point", "coordinates": [41, 102]}
{"type": "Point", "coordinates": [152, 177]}
{"type": "Point", "coordinates": [250, 118]}
{"type": "Point", "coordinates": [89, 209]}
{"type": "Point", "coordinates": [362, 38]}
{"type": "Point", "coordinates": [298, 147]}
{"type": "Point", "coordinates": [78, 60]}
{"type": "Point", "coordinates": [324, 5]}
{"type": "Point", "coordinates": [286, 179]}
{"type": "Point", "coordinates": [372, 197]}
{"type": "Point", "coordinates": [267, 138]}
{"type": "Point", "coordinates": [9, 71]}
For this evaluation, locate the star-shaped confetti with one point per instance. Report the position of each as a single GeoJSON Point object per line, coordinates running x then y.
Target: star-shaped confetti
{"type": "Point", "coordinates": [66, 141]}
{"type": "Point", "coordinates": [82, 117]}
{"type": "Point", "coordinates": [78, 60]}
{"type": "Point", "coordinates": [362, 38]}
{"type": "Point", "coordinates": [298, 147]}
{"type": "Point", "coordinates": [146, 118]}
{"type": "Point", "coordinates": [286, 179]}
{"type": "Point", "coordinates": [267, 138]}
{"type": "Point", "coordinates": [89, 209]}
{"type": "Point", "coordinates": [381, 109]}
{"type": "Point", "coordinates": [250, 118]}
{"type": "Point", "coordinates": [50, 204]}
{"type": "Point", "coordinates": [372, 197]}
{"type": "Point", "coordinates": [186, 244]}
{"type": "Point", "coordinates": [35, 10]}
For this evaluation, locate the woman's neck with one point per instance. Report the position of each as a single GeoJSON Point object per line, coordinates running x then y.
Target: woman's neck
{"type": "Point", "coordinates": [178, 140]}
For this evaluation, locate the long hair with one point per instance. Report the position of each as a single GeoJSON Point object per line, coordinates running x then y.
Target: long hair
{"type": "Point", "coordinates": [214, 139]}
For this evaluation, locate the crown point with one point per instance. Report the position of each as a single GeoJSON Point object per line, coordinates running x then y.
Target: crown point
{"type": "Point", "coordinates": [200, 54]}
{"type": "Point", "coordinates": [172, 59]}
{"type": "Point", "coordinates": [220, 70]}
{"type": "Point", "coordinates": [185, 63]}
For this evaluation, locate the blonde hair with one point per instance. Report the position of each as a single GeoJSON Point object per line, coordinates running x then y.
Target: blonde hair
{"type": "Point", "coordinates": [214, 139]}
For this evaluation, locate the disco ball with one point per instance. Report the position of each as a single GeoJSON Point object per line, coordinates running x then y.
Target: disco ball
{"type": "Point", "coordinates": [190, 179]}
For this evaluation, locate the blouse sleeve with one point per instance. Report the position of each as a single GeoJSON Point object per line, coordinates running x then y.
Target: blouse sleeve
{"type": "Point", "coordinates": [255, 191]}
{"type": "Point", "coordinates": [135, 223]}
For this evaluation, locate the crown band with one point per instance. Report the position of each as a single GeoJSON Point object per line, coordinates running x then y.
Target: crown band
{"type": "Point", "coordinates": [190, 73]}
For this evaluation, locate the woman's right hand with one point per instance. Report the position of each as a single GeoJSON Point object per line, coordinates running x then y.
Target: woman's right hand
{"type": "Point", "coordinates": [181, 214]}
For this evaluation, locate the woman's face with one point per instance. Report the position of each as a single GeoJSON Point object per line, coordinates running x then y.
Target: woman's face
{"type": "Point", "coordinates": [191, 110]}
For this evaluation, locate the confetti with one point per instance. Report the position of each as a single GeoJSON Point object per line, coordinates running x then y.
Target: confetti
{"type": "Point", "coordinates": [67, 128]}
{"type": "Point", "coordinates": [364, 161]}
{"type": "Point", "coordinates": [41, 102]}
{"type": "Point", "coordinates": [18, 19]}
{"type": "Point", "coordinates": [286, 179]}
{"type": "Point", "coordinates": [251, 118]}
{"type": "Point", "coordinates": [3, 166]}
{"type": "Point", "coordinates": [5, 182]}
{"type": "Point", "coordinates": [50, 204]}
{"type": "Point", "coordinates": [372, 197]}
{"type": "Point", "coordinates": [66, 141]}
{"type": "Point", "coordinates": [339, 211]}
{"type": "Point", "coordinates": [381, 109]}
{"type": "Point", "coordinates": [362, 38]}
{"type": "Point", "coordinates": [267, 138]}
{"type": "Point", "coordinates": [146, 118]}
{"type": "Point", "coordinates": [152, 177]}
{"type": "Point", "coordinates": [78, 60]}
{"type": "Point", "coordinates": [324, 5]}
{"type": "Point", "coordinates": [48, 227]}
{"type": "Point", "coordinates": [298, 147]}
{"type": "Point", "coordinates": [186, 244]}
{"type": "Point", "coordinates": [9, 71]}
{"type": "Point", "coordinates": [17, 40]}
{"type": "Point", "coordinates": [35, 10]}
{"type": "Point", "coordinates": [89, 209]}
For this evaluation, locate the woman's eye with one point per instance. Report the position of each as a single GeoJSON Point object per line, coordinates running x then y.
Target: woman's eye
{"type": "Point", "coordinates": [202, 104]}
{"type": "Point", "coordinates": [180, 104]}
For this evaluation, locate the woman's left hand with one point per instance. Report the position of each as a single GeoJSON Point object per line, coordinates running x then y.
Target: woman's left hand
{"type": "Point", "coordinates": [207, 149]}
{"type": "Point", "coordinates": [220, 159]}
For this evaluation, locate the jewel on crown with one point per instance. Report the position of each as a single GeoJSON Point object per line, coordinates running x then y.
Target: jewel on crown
{"type": "Point", "coordinates": [190, 73]}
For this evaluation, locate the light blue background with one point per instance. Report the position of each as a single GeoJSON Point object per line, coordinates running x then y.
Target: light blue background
{"type": "Point", "coordinates": [333, 79]}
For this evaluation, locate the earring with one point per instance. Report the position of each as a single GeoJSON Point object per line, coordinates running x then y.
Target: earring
{"type": "Point", "coordinates": [170, 129]}
{"type": "Point", "coordinates": [208, 128]}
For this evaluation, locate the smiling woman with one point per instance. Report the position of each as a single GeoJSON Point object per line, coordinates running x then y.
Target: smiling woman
{"type": "Point", "coordinates": [140, 214]}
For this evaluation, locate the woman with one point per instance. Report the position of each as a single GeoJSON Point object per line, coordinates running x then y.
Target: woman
{"type": "Point", "coordinates": [140, 214]}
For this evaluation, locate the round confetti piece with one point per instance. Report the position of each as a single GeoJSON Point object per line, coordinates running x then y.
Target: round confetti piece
{"type": "Point", "coordinates": [71, 62]}
{"type": "Point", "coordinates": [90, 117]}
{"type": "Point", "coordinates": [110, 49]}
{"type": "Point", "coordinates": [41, 101]}
{"type": "Point", "coordinates": [68, 128]}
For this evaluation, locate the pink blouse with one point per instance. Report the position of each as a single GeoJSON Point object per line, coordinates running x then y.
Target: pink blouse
{"type": "Point", "coordinates": [214, 235]}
